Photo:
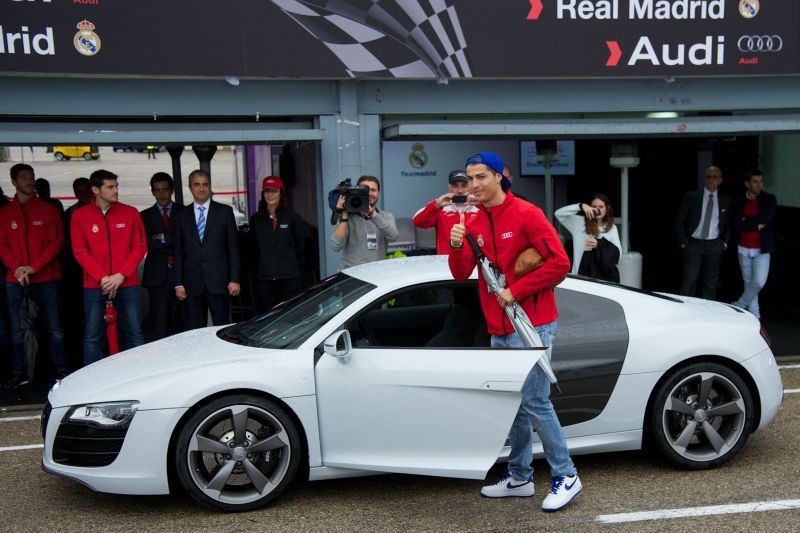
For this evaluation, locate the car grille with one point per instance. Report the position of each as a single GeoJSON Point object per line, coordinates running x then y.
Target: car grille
{"type": "Point", "coordinates": [45, 418]}
{"type": "Point", "coordinates": [85, 445]}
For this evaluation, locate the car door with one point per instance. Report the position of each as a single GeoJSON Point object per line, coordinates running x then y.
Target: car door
{"type": "Point", "coordinates": [420, 392]}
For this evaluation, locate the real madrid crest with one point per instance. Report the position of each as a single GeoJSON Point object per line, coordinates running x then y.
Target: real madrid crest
{"type": "Point", "coordinates": [418, 158]}
{"type": "Point", "coordinates": [87, 42]}
{"type": "Point", "coordinates": [95, 229]}
{"type": "Point", "coordinates": [481, 242]}
{"type": "Point", "coordinates": [749, 8]}
{"type": "Point", "coordinates": [14, 224]}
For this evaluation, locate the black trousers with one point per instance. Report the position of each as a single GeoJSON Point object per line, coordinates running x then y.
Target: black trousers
{"type": "Point", "coordinates": [701, 261]}
{"type": "Point", "coordinates": [198, 307]}
{"type": "Point", "coordinates": [165, 309]}
{"type": "Point", "coordinates": [270, 293]}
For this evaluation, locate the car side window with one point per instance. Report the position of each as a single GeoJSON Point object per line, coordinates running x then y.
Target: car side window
{"type": "Point", "coordinates": [433, 315]}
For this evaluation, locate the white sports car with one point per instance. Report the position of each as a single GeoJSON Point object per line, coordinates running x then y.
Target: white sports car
{"type": "Point", "coordinates": [386, 368]}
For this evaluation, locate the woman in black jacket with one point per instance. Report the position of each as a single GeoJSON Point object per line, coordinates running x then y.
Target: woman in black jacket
{"type": "Point", "coordinates": [279, 235]}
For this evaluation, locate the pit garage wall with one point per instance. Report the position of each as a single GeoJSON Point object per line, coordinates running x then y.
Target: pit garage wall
{"type": "Point", "coordinates": [780, 156]}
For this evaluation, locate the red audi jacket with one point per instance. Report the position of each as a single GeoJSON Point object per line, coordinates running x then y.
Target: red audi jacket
{"type": "Point", "coordinates": [31, 234]}
{"type": "Point", "coordinates": [105, 245]}
{"type": "Point", "coordinates": [443, 219]}
{"type": "Point", "coordinates": [503, 232]}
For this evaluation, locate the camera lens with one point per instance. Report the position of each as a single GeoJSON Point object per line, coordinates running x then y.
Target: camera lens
{"type": "Point", "coordinates": [355, 202]}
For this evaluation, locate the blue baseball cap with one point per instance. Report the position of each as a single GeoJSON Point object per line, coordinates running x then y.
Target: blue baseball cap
{"type": "Point", "coordinates": [493, 161]}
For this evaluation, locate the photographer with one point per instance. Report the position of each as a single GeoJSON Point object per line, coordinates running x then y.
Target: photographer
{"type": "Point", "coordinates": [595, 240]}
{"type": "Point", "coordinates": [363, 236]}
{"type": "Point", "coordinates": [443, 212]}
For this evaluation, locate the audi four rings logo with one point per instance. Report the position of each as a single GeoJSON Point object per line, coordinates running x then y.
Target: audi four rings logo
{"type": "Point", "coordinates": [760, 43]}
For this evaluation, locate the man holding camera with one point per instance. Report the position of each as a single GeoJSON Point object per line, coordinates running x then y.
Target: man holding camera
{"type": "Point", "coordinates": [443, 212]}
{"type": "Point", "coordinates": [363, 236]}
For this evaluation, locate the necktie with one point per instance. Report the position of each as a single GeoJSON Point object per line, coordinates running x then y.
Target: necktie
{"type": "Point", "coordinates": [201, 223]}
{"type": "Point", "coordinates": [707, 219]}
{"type": "Point", "coordinates": [165, 216]}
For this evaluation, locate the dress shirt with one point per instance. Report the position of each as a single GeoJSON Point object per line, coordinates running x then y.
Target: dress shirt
{"type": "Point", "coordinates": [713, 230]}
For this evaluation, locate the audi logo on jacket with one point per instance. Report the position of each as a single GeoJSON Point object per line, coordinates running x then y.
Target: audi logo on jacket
{"type": "Point", "coordinates": [524, 226]}
{"type": "Point", "coordinates": [106, 244]}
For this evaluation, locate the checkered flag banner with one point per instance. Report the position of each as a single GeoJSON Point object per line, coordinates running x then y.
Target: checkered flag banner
{"type": "Point", "coordinates": [387, 38]}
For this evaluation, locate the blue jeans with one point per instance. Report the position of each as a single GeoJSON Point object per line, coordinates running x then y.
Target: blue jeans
{"type": "Point", "coordinates": [47, 296]}
{"type": "Point", "coordinates": [129, 325]}
{"type": "Point", "coordinates": [754, 274]}
{"type": "Point", "coordinates": [536, 411]}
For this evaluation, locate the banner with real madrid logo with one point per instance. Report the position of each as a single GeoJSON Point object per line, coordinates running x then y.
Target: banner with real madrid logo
{"type": "Point", "coordinates": [422, 39]}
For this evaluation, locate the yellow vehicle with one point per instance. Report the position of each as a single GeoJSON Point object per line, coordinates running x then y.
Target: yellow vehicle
{"type": "Point", "coordinates": [68, 152]}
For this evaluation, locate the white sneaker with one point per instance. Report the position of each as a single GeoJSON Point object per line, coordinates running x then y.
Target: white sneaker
{"type": "Point", "coordinates": [508, 487]}
{"type": "Point", "coordinates": [562, 490]}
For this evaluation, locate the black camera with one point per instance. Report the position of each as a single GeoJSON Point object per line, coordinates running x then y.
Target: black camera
{"type": "Point", "coordinates": [356, 198]}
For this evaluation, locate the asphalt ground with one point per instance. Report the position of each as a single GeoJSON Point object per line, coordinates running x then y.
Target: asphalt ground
{"type": "Point", "coordinates": [765, 471]}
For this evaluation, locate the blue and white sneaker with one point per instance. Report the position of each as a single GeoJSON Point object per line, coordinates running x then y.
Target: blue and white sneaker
{"type": "Point", "coordinates": [562, 490]}
{"type": "Point", "coordinates": [508, 487]}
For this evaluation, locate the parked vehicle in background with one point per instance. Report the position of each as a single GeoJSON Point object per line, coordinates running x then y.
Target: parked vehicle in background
{"type": "Point", "coordinates": [68, 152]}
{"type": "Point", "coordinates": [134, 148]}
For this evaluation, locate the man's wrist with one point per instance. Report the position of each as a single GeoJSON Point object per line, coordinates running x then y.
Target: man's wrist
{"type": "Point", "coordinates": [459, 245]}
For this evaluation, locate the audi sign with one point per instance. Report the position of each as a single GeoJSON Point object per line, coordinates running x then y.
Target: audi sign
{"type": "Point", "coordinates": [760, 43]}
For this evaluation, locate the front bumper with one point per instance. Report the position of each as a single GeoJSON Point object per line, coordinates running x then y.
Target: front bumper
{"type": "Point", "coordinates": [141, 465]}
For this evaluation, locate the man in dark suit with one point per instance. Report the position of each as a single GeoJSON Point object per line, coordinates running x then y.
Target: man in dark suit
{"type": "Point", "coordinates": [206, 256]}
{"type": "Point", "coordinates": [159, 266]}
{"type": "Point", "coordinates": [702, 228]}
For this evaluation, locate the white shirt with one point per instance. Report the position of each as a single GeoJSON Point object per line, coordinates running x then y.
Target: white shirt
{"type": "Point", "coordinates": [713, 230]}
{"type": "Point", "coordinates": [196, 207]}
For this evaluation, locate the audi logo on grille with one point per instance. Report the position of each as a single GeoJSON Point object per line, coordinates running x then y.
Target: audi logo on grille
{"type": "Point", "coordinates": [760, 43]}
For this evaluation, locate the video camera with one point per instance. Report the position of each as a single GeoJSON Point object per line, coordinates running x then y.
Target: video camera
{"type": "Point", "coordinates": [356, 199]}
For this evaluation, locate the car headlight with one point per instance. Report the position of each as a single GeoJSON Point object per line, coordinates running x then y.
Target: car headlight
{"type": "Point", "coordinates": [105, 415]}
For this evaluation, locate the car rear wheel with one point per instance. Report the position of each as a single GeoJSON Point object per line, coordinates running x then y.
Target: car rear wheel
{"type": "Point", "coordinates": [59, 156]}
{"type": "Point", "coordinates": [702, 416]}
{"type": "Point", "coordinates": [87, 156]}
{"type": "Point", "coordinates": [238, 453]}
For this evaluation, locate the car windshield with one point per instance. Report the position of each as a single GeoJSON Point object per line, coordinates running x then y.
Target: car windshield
{"type": "Point", "coordinates": [289, 324]}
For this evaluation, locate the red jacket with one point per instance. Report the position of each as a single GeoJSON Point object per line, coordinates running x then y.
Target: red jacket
{"type": "Point", "coordinates": [106, 245]}
{"type": "Point", "coordinates": [443, 220]}
{"type": "Point", "coordinates": [503, 232]}
{"type": "Point", "coordinates": [31, 234]}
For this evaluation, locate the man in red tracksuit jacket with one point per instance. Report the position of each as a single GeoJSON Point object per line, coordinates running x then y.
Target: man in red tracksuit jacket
{"type": "Point", "coordinates": [109, 242]}
{"type": "Point", "coordinates": [442, 213]}
{"type": "Point", "coordinates": [505, 227]}
{"type": "Point", "coordinates": [31, 236]}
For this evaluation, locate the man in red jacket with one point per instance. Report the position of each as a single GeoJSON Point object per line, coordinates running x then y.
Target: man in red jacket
{"type": "Point", "coordinates": [505, 227]}
{"type": "Point", "coordinates": [31, 236]}
{"type": "Point", "coordinates": [442, 213]}
{"type": "Point", "coordinates": [109, 242]}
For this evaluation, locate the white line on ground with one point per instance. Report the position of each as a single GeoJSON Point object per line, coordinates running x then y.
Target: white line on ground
{"type": "Point", "coordinates": [791, 391]}
{"type": "Point", "coordinates": [663, 514]}
{"type": "Point", "coordinates": [786, 367]}
{"type": "Point", "coordinates": [18, 418]}
{"type": "Point", "coordinates": [23, 447]}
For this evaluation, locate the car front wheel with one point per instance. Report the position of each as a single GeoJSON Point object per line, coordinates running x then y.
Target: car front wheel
{"type": "Point", "coordinates": [702, 416]}
{"type": "Point", "coordinates": [59, 156]}
{"type": "Point", "coordinates": [238, 453]}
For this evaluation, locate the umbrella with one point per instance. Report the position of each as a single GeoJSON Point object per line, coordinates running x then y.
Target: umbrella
{"type": "Point", "coordinates": [27, 317]}
{"type": "Point", "coordinates": [496, 282]}
{"type": "Point", "coordinates": [111, 328]}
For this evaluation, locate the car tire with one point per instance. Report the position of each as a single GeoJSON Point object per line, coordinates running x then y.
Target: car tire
{"type": "Point", "coordinates": [702, 416]}
{"type": "Point", "coordinates": [87, 156]}
{"type": "Point", "coordinates": [238, 453]}
{"type": "Point", "coordinates": [59, 156]}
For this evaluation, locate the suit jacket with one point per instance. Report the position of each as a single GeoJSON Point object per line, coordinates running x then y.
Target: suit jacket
{"type": "Point", "coordinates": [690, 213]}
{"type": "Point", "coordinates": [156, 263]}
{"type": "Point", "coordinates": [210, 265]}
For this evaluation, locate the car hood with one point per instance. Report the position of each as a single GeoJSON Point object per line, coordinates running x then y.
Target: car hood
{"type": "Point", "coordinates": [176, 371]}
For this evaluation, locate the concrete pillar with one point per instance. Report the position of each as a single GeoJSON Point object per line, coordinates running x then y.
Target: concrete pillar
{"type": "Point", "coordinates": [175, 153]}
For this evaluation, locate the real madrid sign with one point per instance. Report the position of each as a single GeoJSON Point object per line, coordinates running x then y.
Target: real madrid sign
{"type": "Point", "coordinates": [401, 38]}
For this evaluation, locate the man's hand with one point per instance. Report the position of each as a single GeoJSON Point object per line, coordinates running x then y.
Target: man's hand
{"type": "Point", "coordinates": [23, 274]}
{"type": "Point", "coordinates": [457, 233]}
{"type": "Point", "coordinates": [761, 226]}
{"type": "Point", "coordinates": [443, 200]}
{"type": "Point", "coordinates": [180, 293]}
{"type": "Point", "coordinates": [110, 284]}
{"type": "Point", "coordinates": [234, 288]}
{"type": "Point", "coordinates": [505, 298]}
{"type": "Point", "coordinates": [340, 203]}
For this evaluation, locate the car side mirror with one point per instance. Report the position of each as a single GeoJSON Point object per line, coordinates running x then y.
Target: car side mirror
{"type": "Point", "coordinates": [339, 345]}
